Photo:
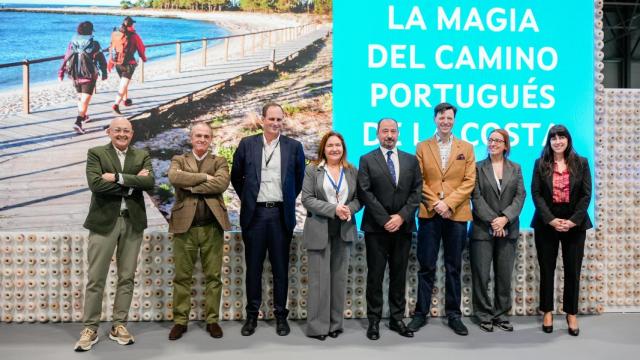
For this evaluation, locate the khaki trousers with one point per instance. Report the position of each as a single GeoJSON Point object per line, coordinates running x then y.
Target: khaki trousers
{"type": "Point", "coordinates": [126, 242]}
{"type": "Point", "coordinates": [207, 240]}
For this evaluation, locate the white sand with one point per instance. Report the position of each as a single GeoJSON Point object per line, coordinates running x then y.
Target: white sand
{"type": "Point", "coordinates": [47, 94]}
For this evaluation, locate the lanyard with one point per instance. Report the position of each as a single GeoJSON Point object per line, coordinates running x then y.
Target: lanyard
{"type": "Point", "coordinates": [267, 160]}
{"type": "Point", "coordinates": [333, 184]}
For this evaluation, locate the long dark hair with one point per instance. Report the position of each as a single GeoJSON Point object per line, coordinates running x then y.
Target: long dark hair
{"type": "Point", "coordinates": [570, 155]}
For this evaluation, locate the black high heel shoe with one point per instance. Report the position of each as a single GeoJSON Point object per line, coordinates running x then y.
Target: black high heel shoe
{"type": "Point", "coordinates": [318, 337]}
{"type": "Point", "coordinates": [545, 328]}
{"type": "Point", "coordinates": [572, 332]}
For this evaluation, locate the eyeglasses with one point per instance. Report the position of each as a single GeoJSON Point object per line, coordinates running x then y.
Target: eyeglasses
{"type": "Point", "coordinates": [497, 141]}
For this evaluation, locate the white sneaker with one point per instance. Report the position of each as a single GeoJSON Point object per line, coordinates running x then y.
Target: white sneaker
{"type": "Point", "coordinates": [78, 128]}
{"type": "Point", "coordinates": [120, 335]}
{"type": "Point", "coordinates": [88, 337]}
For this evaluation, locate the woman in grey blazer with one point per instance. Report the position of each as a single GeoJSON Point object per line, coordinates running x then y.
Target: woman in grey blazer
{"type": "Point", "coordinates": [497, 202]}
{"type": "Point", "coordinates": [329, 195]}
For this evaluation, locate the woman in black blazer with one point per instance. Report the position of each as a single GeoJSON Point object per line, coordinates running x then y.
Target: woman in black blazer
{"type": "Point", "coordinates": [561, 191]}
{"type": "Point", "coordinates": [497, 202]}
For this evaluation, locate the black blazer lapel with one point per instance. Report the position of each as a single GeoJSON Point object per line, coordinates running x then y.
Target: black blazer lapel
{"type": "Point", "coordinates": [572, 186]}
{"type": "Point", "coordinates": [382, 162]}
{"type": "Point", "coordinates": [404, 166]}
{"type": "Point", "coordinates": [256, 150]}
{"type": "Point", "coordinates": [548, 180]}
{"type": "Point", "coordinates": [284, 157]}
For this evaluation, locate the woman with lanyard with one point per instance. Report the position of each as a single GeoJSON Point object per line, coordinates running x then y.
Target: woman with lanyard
{"type": "Point", "coordinates": [329, 195]}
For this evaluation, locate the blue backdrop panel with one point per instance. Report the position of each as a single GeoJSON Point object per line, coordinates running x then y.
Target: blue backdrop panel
{"type": "Point", "coordinates": [523, 66]}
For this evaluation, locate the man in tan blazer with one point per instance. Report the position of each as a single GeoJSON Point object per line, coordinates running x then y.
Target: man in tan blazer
{"type": "Point", "coordinates": [449, 174]}
{"type": "Point", "coordinates": [198, 221]}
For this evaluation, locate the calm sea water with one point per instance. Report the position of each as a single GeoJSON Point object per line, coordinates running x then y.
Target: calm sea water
{"type": "Point", "coordinates": [40, 35]}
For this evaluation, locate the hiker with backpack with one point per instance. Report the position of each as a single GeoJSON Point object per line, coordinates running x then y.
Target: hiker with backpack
{"type": "Point", "coordinates": [81, 62]}
{"type": "Point", "coordinates": [124, 44]}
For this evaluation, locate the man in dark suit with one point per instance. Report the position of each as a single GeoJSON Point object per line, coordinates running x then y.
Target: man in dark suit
{"type": "Point", "coordinates": [267, 175]}
{"type": "Point", "coordinates": [117, 174]}
{"type": "Point", "coordinates": [389, 186]}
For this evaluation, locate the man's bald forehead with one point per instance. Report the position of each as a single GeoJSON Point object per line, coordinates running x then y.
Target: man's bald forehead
{"type": "Point", "coordinates": [202, 125]}
{"type": "Point", "coordinates": [120, 121]}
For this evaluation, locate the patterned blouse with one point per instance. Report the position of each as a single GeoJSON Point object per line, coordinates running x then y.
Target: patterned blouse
{"type": "Point", "coordinates": [560, 185]}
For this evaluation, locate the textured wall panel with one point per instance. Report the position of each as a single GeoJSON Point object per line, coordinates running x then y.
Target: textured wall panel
{"type": "Point", "coordinates": [44, 276]}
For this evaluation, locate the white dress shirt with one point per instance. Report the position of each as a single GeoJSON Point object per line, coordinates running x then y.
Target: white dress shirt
{"type": "Point", "coordinates": [121, 156]}
{"type": "Point", "coordinates": [270, 176]}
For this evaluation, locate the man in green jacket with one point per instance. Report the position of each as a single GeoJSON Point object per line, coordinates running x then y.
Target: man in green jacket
{"type": "Point", "coordinates": [116, 174]}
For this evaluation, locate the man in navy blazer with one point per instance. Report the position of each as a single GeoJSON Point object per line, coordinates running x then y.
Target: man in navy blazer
{"type": "Point", "coordinates": [267, 175]}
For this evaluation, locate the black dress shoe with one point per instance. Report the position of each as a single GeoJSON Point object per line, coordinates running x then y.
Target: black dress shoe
{"type": "Point", "coordinates": [334, 334]}
{"type": "Point", "coordinates": [486, 326]}
{"type": "Point", "coordinates": [572, 332]}
{"type": "Point", "coordinates": [417, 322]}
{"type": "Point", "coordinates": [400, 328]}
{"type": "Point", "coordinates": [319, 337]}
{"type": "Point", "coordinates": [458, 327]}
{"type": "Point", "coordinates": [504, 325]}
{"type": "Point", "coordinates": [282, 327]}
{"type": "Point", "coordinates": [176, 331]}
{"type": "Point", "coordinates": [373, 332]}
{"type": "Point", "coordinates": [249, 326]}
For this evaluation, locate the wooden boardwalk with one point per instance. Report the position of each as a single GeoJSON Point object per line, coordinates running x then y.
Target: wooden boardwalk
{"type": "Point", "coordinates": [42, 161]}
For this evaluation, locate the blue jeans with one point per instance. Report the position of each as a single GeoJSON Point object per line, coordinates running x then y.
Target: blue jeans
{"type": "Point", "coordinates": [454, 239]}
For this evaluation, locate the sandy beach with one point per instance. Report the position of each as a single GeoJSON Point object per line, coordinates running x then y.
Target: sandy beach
{"type": "Point", "coordinates": [46, 94]}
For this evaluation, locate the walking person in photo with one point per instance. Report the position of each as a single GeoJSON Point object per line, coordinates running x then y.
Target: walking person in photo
{"type": "Point", "coordinates": [83, 62]}
{"type": "Point", "coordinates": [125, 42]}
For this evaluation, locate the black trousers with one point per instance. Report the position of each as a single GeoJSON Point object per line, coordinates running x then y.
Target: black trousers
{"type": "Point", "coordinates": [547, 240]}
{"type": "Point", "coordinates": [393, 248]}
{"type": "Point", "coordinates": [267, 232]}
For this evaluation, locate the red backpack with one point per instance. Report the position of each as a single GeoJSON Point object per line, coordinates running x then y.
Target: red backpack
{"type": "Point", "coordinates": [119, 48]}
